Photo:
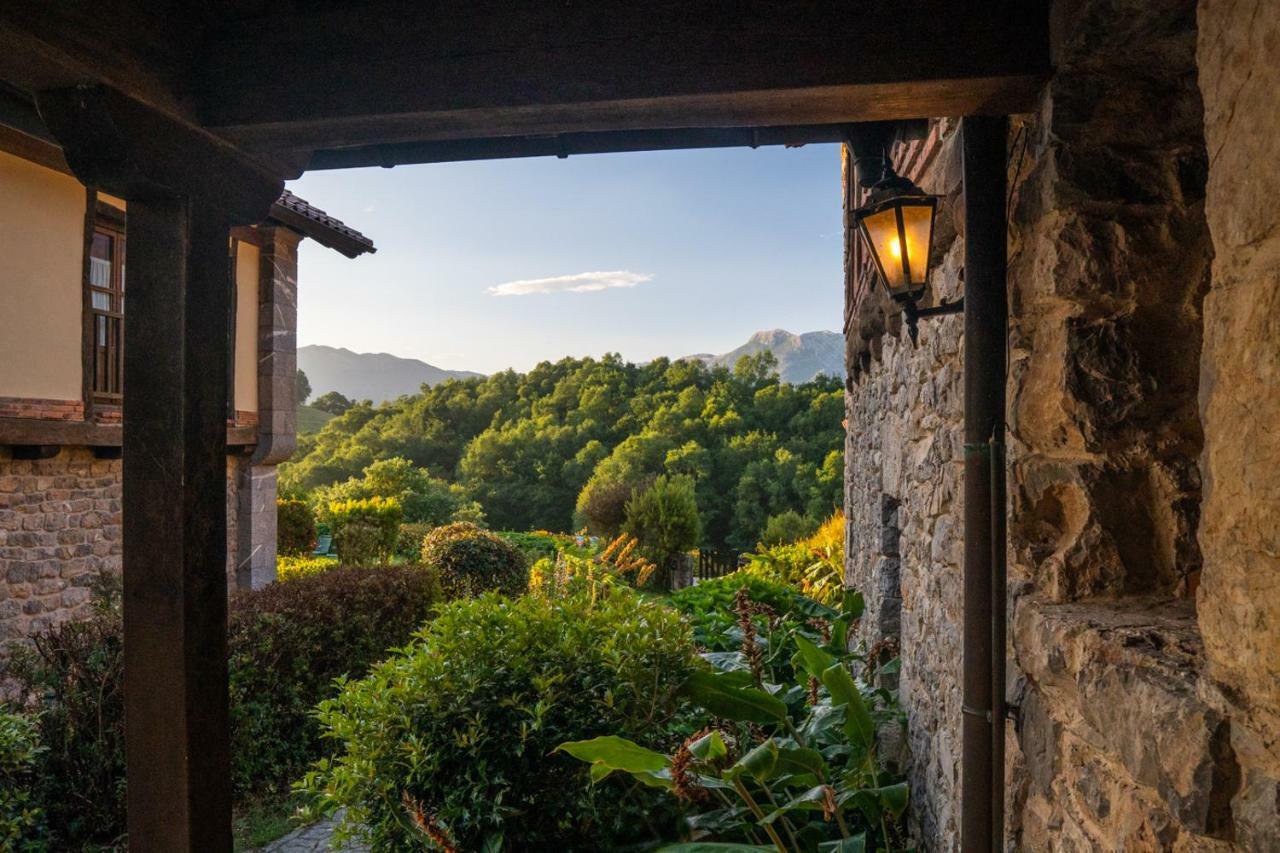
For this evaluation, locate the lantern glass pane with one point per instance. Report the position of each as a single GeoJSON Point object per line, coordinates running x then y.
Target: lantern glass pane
{"type": "Point", "coordinates": [882, 232]}
{"type": "Point", "coordinates": [917, 223]}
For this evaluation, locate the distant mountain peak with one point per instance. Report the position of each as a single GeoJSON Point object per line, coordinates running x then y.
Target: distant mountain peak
{"type": "Point", "coordinates": [376, 376]}
{"type": "Point", "coordinates": [800, 357]}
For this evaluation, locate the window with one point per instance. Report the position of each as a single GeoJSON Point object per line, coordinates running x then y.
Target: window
{"type": "Point", "coordinates": [106, 306]}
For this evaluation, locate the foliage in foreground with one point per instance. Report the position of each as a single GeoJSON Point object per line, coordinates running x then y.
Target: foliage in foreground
{"type": "Point", "coordinates": [471, 560]}
{"type": "Point", "coordinates": [460, 728]}
{"type": "Point", "coordinates": [783, 764]}
{"type": "Point", "coordinates": [21, 818]}
{"type": "Point", "coordinates": [286, 645]}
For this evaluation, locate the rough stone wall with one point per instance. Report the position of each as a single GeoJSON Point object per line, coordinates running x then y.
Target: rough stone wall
{"type": "Point", "coordinates": [1239, 597]}
{"type": "Point", "coordinates": [1121, 740]}
{"type": "Point", "coordinates": [59, 530]}
{"type": "Point", "coordinates": [903, 492]}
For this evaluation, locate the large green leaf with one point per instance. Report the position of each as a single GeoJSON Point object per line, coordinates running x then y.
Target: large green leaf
{"type": "Point", "coordinates": [814, 799]}
{"type": "Point", "coordinates": [709, 747]}
{"type": "Point", "coordinates": [760, 762]}
{"type": "Point", "coordinates": [858, 725]}
{"type": "Point", "coordinates": [812, 659]}
{"type": "Point", "coordinates": [800, 760]}
{"type": "Point", "coordinates": [617, 753]}
{"type": "Point", "coordinates": [723, 695]}
{"type": "Point", "coordinates": [856, 844]}
{"type": "Point", "coordinates": [853, 604]}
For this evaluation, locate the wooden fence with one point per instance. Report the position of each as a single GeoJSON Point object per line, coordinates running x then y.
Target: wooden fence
{"type": "Point", "coordinates": [715, 564]}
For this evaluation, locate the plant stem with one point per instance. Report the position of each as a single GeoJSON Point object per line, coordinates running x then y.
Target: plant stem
{"type": "Point", "coordinates": [759, 813]}
{"type": "Point", "coordinates": [786, 822]}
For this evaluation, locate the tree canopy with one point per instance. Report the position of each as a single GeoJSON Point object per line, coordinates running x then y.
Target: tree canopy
{"type": "Point", "coordinates": [525, 446]}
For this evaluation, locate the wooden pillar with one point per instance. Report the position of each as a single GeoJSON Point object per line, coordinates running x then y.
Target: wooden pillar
{"type": "Point", "coordinates": [175, 529]}
{"type": "Point", "coordinates": [185, 189]}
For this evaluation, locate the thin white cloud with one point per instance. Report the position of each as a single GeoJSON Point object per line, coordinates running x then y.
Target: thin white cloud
{"type": "Point", "coordinates": [583, 282]}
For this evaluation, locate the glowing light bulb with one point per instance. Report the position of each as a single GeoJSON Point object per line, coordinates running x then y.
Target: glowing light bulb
{"type": "Point", "coordinates": [895, 249]}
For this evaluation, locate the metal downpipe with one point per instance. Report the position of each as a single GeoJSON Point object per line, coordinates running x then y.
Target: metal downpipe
{"type": "Point", "coordinates": [985, 337]}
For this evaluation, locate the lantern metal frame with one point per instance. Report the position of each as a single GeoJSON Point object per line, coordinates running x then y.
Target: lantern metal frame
{"type": "Point", "coordinates": [893, 192]}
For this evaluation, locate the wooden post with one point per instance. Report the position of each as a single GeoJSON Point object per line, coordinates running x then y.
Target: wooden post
{"type": "Point", "coordinates": [175, 528]}
{"type": "Point", "coordinates": [185, 189]}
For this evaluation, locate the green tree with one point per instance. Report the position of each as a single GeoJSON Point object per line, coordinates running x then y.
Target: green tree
{"type": "Point", "coordinates": [332, 402]}
{"type": "Point", "coordinates": [303, 386]}
{"type": "Point", "coordinates": [664, 517]}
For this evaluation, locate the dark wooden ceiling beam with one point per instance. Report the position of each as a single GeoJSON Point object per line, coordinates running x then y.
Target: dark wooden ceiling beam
{"type": "Point", "coordinates": [400, 72]}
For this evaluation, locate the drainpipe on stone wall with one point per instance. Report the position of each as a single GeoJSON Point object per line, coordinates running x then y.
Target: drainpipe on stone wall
{"type": "Point", "coordinates": [985, 371]}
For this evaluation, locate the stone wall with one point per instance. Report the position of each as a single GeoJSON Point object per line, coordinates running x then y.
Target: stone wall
{"type": "Point", "coordinates": [1125, 737]}
{"type": "Point", "coordinates": [59, 530]}
{"type": "Point", "coordinates": [1239, 597]}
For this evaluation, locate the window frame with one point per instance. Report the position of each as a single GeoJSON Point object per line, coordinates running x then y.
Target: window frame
{"type": "Point", "coordinates": [104, 385]}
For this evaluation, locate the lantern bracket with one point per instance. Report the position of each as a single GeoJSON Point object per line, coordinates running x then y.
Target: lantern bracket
{"type": "Point", "coordinates": [914, 314]}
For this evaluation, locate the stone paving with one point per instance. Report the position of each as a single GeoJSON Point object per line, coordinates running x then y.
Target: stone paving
{"type": "Point", "coordinates": [316, 838]}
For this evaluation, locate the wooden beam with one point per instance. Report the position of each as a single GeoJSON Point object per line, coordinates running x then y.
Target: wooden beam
{"type": "Point", "coordinates": [119, 144]}
{"type": "Point", "coordinates": [395, 72]}
{"type": "Point", "coordinates": [34, 431]}
{"type": "Point", "coordinates": [175, 528]}
{"type": "Point", "coordinates": [185, 189]}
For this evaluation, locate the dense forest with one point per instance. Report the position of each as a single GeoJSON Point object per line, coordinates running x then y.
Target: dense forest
{"type": "Point", "coordinates": [566, 444]}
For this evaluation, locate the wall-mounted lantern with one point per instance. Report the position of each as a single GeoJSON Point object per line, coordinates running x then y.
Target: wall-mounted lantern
{"type": "Point", "coordinates": [896, 225]}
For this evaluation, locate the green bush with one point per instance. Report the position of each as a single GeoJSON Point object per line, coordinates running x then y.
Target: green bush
{"type": "Point", "coordinates": [292, 568]}
{"type": "Point", "coordinates": [471, 561]}
{"type": "Point", "coordinates": [21, 819]}
{"type": "Point", "coordinates": [73, 676]}
{"type": "Point", "coordinates": [464, 723]}
{"type": "Point", "coordinates": [535, 546]}
{"type": "Point", "coordinates": [409, 540]}
{"type": "Point", "coordinates": [664, 517]}
{"type": "Point", "coordinates": [365, 530]}
{"type": "Point", "coordinates": [779, 612]}
{"type": "Point", "coordinates": [788, 526]}
{"type": "Point", "coordinates": [295, 528]}
{"type": "Point", "coordinates": [287, 643]}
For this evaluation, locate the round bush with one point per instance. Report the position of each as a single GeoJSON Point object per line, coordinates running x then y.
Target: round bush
{"type": "Point", "coordinates": [472, 560]}
{"type": "Point", "coordinates": [464, 724]}
{"type": "Point", "coordinates": [295, 528]}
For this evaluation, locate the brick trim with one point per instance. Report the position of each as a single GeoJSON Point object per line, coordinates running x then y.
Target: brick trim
{"type": "Point", "coordinates": [41, 408]}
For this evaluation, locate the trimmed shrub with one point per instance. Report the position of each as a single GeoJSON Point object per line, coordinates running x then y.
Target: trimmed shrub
{"type": "Point", "coordinates": [292, 568]}
{"type": "Point", "coordinates": [21, 819]}
{"type": "Point", "coordinates": [288, 642]}
{"type": "Point", "coordinates": [464, 723]}
{"type": "Point", "coordinates": [409, 541]}
{"type": "Point", "coordinates": [295, 528]}
{"type": "Point", "coordinates": [471, 561]}
{"type": "Point", "coordinates": [365, 531]}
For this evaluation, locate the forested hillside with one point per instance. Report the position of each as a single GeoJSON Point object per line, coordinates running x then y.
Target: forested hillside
{"type": "Point", "coordinates": [548, 449]}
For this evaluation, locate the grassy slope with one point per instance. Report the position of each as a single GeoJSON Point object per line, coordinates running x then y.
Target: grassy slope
{"type": "Point", "coordinates": [311, 419]}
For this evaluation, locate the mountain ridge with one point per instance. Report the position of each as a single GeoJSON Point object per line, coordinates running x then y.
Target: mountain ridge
{"type": "Point", "coordinates": [382, 376]}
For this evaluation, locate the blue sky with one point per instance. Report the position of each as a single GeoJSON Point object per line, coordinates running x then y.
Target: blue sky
{"type": "Point", "coordinates": [483, 266]}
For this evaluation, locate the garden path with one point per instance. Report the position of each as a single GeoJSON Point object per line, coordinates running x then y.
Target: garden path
{"type": "Point", "coordinates": [316, 838]}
